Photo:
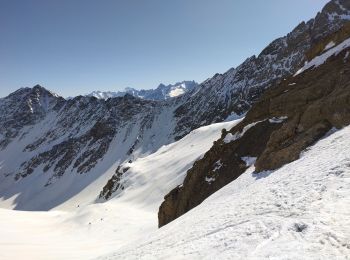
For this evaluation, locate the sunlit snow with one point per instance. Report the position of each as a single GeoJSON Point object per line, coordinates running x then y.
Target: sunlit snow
{"type": "Point", "coordinates": [300, 211]}
{"type": "Point", "coordinates": [88, 231]}
{"type": "Point", "coordinates": [319, 60]}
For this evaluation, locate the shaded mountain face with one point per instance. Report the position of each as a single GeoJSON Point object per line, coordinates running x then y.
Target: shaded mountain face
{"type": "Point", "coordinates": [287, 119]}
{"type": "Point", "coordinates": [162, 92]}
{"type": "Point", "coordinates": [24, 107]}
{"type": "Point", "coordinates": [45, 138]}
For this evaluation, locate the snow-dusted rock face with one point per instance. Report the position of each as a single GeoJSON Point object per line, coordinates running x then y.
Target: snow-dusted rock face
{"type": "Point", "coordinates": [53, 142]}
{"type": "Point", "coordinates": [286, 120]}
{"type": "Point", "coordinates": [24, 107]}
{"type": "Point", "coordinates": [162, 92]}
{"type": "Point", "coordinates": [82, 148]}
{"type": "Point", "coordinates": [235, 90]}
{"type": "Point", "coordinates": [44, 137]}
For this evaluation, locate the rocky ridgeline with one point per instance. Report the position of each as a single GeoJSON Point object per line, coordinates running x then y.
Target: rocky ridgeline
{"type": "Point", "coordinates": [114, 184]}
{"type": "Point", "coordinates": [237, 89]}
{"type": "Point", "coordinates": [70, 134]}
{"type": "Point", "coordinates": [287, 119]}
{"type": "Point", "coordinates": [162, 92]}
{"type": "Point", "coordinates": [24, 107]}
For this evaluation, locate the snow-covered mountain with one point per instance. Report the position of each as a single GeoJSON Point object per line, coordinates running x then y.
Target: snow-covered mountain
{"type": "Point", "coordinates": [162, 92]}
{"type": "Point", "coordinates": [105, 169]}
{"type": "Point", "coordinates": [65, 145]}
{"type": "Point", "coordinates": [299, 211]}
{"type": "Point", "coordinates": [237, 89]}
{"type": "Point", "coordinates": [286, 120]}
{"type": "Point", "coordinates": [87, 229]}
{"type": "Point", "coordinates": [50, 155]}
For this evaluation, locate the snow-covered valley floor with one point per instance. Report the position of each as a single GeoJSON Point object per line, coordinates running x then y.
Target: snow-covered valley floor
{"type": "Point", "coordinates": [89, 231]}
{"type": "Point", "coordinates": [300, 211]}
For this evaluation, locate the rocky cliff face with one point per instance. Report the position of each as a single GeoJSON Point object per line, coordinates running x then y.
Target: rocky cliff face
{"type": "Point", "coordinates": [287, 119]}
{"type": "Point", "coordinates": [25, 107]}
{"type": "Point", "coordinates": [75, 133]}
{"type": "Point", "coordinates": [237, 89]}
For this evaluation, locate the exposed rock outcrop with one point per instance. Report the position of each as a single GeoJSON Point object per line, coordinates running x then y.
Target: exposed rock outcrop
{"type": "Point", "coordinates": [114, 184]}
{"type": "Point", "coordinates": [238, 88]}
{"type": "Point", "coordinates": [286, 120]}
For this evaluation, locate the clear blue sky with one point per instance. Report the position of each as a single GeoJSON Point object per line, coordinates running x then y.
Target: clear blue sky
{"type": "Point", "coordinates": [77, 46]}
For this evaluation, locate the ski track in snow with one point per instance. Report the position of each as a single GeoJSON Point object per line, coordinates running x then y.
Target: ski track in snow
{"type": "Point", "coordinates": [300, 211]}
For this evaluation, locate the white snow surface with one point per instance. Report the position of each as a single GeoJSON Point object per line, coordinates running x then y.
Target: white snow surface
{"type": "Point", "coordinates": [176, 92]}
{"type": "Point", "coordinates": [278, 120]}
{"type": "Point", "coordinates": [150, 178]}
{"type": "Point", "coordinates": [103, 94]}
{"type": "Point", "coordinates": [319, 60]}
{"type": "Point", "coordinates": [300, 211]}
{"type": "Point", "coordinates": [233, 137]}
{"type": "Point", "coordinates": [249, 161]}
{"type": "Point", "coordinates": [79, 229]}
{"type": "Point", "coordinates": [331, 44]}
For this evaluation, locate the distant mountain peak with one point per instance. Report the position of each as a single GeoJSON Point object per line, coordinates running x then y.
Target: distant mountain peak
{"type": "Point", "coordinates": [35, 91]}
{"type": "Point", "coordinates": [162, 92]}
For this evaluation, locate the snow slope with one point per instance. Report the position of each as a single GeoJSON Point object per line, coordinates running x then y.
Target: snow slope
{"type": "Point", "coordinates": [83, 234]}
{"type": "Point", "coordinates": [148, 179]}
{"type": "Point", "coordinates": [145, 134]}
{"type": "Point", "coordinates": [330, 50]}
{"type": "Point", "coordinates": [300, 211]}
{"type": "Point", "coordinates": [89, 231]}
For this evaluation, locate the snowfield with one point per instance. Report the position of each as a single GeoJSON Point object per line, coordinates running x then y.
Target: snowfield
{"type": "Point", "coordinates": [300, 211]}
{"type": "Point", "coordinates": [77, 230]}
{"type": "Point", "coordinates": [86, 233]}
{"type": "Point", "coordinates": [149, 179]}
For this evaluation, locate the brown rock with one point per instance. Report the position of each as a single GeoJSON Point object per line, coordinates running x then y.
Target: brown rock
{"type": "Point", "coordinates": [311, 103]}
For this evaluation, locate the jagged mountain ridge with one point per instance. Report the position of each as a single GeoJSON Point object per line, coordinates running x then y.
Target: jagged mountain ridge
{"type": "Point", "coordinates": [87, 136]}
{"type": "Point", "coordinates": [24, 107]}
{"type": "Point", "coordinates": [235, 90]}
{"type": "Point", "coordinates": [162, 92]}
{"type": "Point", "coordinates": [287, 119]}
{"type": "Point", "coordinates": [74, 136]}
